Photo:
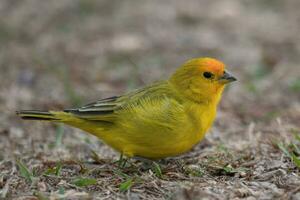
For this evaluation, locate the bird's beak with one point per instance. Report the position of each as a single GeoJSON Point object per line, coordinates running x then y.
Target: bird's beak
{"type": "Point", "coordinates": [227, 78]}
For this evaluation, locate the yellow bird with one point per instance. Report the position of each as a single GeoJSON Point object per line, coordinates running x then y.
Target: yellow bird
{"type": "Point", "coordinates": [160, 120]}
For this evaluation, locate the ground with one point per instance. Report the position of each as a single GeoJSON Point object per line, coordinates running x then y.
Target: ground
{"type": "Point", "coordinates": [59, 54]}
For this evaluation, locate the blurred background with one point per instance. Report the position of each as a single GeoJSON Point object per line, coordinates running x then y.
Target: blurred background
{"type": "Point", "coordinates": [60, 54]}
{"type": "Point", "coordinates": [66, 52]}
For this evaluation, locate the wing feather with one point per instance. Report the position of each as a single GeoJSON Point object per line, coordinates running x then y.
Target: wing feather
{"type": "Point", "coordinates": [106, 109]}
{"type": "Point", "coordinates": [99, 110]}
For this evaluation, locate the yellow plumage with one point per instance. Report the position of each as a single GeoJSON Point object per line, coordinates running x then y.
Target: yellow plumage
{"type": "Point", "coordinates": [161, 120]}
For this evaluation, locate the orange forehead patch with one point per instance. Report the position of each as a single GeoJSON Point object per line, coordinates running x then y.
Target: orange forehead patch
{"type": "Point", "coordinates": [212, 65]}
{"type": "Point", "coordinates": [207, 64]}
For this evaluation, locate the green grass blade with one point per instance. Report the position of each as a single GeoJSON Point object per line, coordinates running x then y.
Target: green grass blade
{"type": "Point", "coordinates": [59, 135]}
{"type": "Point", "coordinates": [24, 171]}
{"type": "Point", "coordinates": [295, 160]}
{"type": "Point", "coordinates": [125, 186]}
{"type": "Point", "coordinates": [282, 147]}
{"type": "Point", "coordinates": [121, 174]}
{"type": "Point", "coordinates": [296, 148]}
{"type": "Point", "coordinates": [157, 170]}
{"type": "Point", "coordinates": [61, 190]}
{"type": "Point", "coordinates": [83, 182]}
{"type": "Point", "coordinates": [58, 169]}
{"type": "Point", "coordinates": [54, 170]}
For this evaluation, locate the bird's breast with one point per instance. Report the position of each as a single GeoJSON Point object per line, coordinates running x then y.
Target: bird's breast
{"type": "Point", "coordinates": [202, 117]}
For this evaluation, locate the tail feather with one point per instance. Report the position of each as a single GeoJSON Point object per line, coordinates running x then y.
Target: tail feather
{"type": "Point", "coordinates": [37, 115]}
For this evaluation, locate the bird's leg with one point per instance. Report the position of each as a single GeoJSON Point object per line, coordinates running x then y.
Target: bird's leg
{"type": "Point", "coordinates": [122, 161]}
{"type": "Point", "coordinates": [143, 160]}
{"type": "Point", "coordinates": [146, 163]}
{"type": "Point", "coordinates": [150, 164]}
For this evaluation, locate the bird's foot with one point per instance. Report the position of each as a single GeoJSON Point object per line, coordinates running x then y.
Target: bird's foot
{"type": "Point", "coordinates": [122, 161]}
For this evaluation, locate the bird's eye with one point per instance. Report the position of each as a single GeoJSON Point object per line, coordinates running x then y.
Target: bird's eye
{"type": "Point", "coordinates": [208, 75]}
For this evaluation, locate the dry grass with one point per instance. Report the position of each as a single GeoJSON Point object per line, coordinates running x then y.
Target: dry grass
{"type": "Point", "coordinates": [64, 53]}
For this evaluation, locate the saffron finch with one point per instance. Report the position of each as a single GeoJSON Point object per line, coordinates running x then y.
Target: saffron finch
{"type": "Point", "coordinates": [161, 120]}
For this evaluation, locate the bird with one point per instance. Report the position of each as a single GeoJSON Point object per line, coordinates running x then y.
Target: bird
{"type": "Point", "coordinates": [164, 119]}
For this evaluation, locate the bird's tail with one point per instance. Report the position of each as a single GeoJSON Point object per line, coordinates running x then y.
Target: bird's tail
{"type": "Point", "coordinates": [39, 115]}
{"type": "Point", "coordinates": [59, 116]}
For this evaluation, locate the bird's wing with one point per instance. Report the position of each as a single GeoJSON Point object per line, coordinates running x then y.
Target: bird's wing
{"type": "Point", "coordinates": [152, 111]}
{"type": "Point", "coordinates": [109, 108]}
{"type": "Point", "coordinates": [101, 110]}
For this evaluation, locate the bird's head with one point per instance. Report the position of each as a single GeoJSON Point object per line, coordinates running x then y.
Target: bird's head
{"type": "Point", "coordinates": [201, 79]}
